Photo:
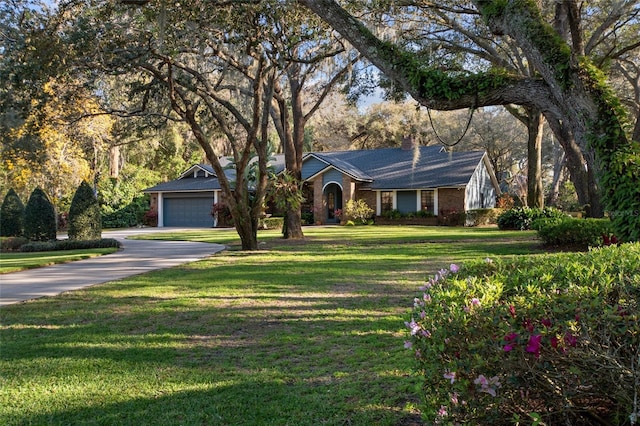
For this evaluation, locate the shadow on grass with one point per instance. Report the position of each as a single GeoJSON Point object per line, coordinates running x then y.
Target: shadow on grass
{"type": "Point", "coordinates": [252, 402]}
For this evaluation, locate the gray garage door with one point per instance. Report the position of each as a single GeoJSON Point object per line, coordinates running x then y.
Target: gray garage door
{"type": "Point", "coordinates": [188, 212]}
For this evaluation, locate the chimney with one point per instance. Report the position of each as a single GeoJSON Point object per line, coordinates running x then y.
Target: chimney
{"type": "Point", "coordinates": [408, 144]}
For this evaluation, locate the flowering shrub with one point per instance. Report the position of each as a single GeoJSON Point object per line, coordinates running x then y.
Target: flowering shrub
{"type": "Point", "coordinates": [358, 211]}
{"type": "Point", "coordinates": [549, 338]}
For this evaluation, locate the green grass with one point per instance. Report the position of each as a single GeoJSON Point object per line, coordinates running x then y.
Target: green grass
{"type": "Point", "coordinates": [298, 333]}
{"type": "Point", "coordinates": [13, 262]}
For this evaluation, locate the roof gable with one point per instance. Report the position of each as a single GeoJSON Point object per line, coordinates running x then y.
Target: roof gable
{"type": "Point", "coordinates": [202, 177]}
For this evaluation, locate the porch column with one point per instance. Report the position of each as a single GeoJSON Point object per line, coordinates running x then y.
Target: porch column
{"type": "Point", "coordinates": [160, 210]}
{"type": "Point", "coordinates": [418, 200]}
{"type": "Point", "coordinates": [435, 201]}
{"type": "Point", "coordinates": [318, 201]}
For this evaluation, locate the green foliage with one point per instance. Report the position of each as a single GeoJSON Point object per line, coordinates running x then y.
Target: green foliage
{"type": "Point", "coordinates": [479, 217]}
{"type": "Point", "coordinates": [554, 49]}
{"type": "Point", "coordinates": [574, 233]}
{"type": "Point", "coordinates": [12, 244]}
{"type": "Point", "coordinates": [496, 339]}
{"type": "Point", "coordinates": [132, 214]}
{"type": "Point", "coordinates": [392, 214]}
{"type": "Point", "coordinates": [85, 222]}
{"type": "Point", "coordinates": [620, 158]}
{"type": "Point", "coordinates": [285, 191]}
{"type": "Point", "coordinates": [69, 245]}
{"type": "Point", "coordinates": [271, 223]}
{"type": "Point", "coordinates": [522, 218]}
{"type": "Point", "coordinates": [358, 211]}
{"type": "Point", "coordinates": [39, 217]}
{"type": "Point", "coordinates": [11, 215]}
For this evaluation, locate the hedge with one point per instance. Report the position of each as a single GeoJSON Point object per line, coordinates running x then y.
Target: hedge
{"type": "Point", "coordinates": [70, 245]}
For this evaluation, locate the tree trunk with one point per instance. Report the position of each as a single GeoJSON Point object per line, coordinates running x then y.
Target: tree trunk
{"type": "Point", "coordinates": [582, 176]}
{"type": "Point", "coordinates": [535, 192]}
{"type": "Point", "coordinates": [246, 227]}
{"type": "Point", "coordinates": [558, 174]}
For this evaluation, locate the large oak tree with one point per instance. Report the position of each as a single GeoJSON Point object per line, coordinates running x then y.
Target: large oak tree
{"type": "Point", "coordinates": [567, 87]}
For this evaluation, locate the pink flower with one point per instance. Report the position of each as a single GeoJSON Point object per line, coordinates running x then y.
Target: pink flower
{"type": "Point", "coordinates": [546, 322]}
{"type": "Point", "coordinates": [408, 344]}
{"type": "Point", "coordinates": [413, 326]}
{"type": "Point", "coordinates": [534, 344]}
{"type": "Point", "coordinates": [528, 325]}
{"type": "Point", "coordinates": [426, 297]}
{"type": "Point", "coordinates": [442, 412]}
{"type": "Point", "coordinates": [450, 375]}
{"type": "Point", "coordinates": [512, 311]}
{"type": "Point", "coordinates": [454, 398]}
{"type": "Point", "coordinates": [511, 342]}
{"type": "Point", "coordinates": [570, 339]}
{"type": "Point", "coordinates": [481, 380]}
{"type": "Point", "coordinates": [554, 342]}
{"type": "Point", "coordinates": [488, 385]}
{"type": "Point", "coordinates": [475, 301]}
{"type": "Point", "coordinates": [454, 268]}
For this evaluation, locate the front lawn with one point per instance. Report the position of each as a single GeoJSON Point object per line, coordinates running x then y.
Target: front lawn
{"type": "Point", "coordinates": [13, 262]}
{"type": "Point", "coordinates": [300, 333]}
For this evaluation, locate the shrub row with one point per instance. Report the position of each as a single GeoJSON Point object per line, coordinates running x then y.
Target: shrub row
{"type": "Point", "coordinates": [575, 233]}
{"type": "Point", "coordinates": [522, 218]}
{"type": "Point", "coordinates": [69, 245]}
{"type": "Point", "coordinates": [551, 338]}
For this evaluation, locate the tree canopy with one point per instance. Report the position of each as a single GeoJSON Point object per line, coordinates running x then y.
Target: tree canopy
{"type": "Point", "coordinates": [566, 84]}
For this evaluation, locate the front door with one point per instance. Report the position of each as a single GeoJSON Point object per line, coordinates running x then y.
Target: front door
{"type": "Point", "coordinates": [333, 194]}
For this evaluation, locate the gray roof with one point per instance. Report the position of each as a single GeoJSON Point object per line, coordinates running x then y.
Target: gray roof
{"type": "Point", "coordinates": [394, 168]}
{"type": "Point", "coordinates": [188, 183]}
{"type": "Point", "coordinates": [377, 169]}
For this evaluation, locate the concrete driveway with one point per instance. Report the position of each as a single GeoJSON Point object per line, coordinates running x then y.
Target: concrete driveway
{"type": "Point", "coordinates": [136, 257]}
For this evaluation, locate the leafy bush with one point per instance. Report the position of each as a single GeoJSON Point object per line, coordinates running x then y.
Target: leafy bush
{"type": "Point", "coordinates": [85, 221]}
{"type": "Point", "coordinates": [150, 218]}
{"type": "Point", "coordinates": [271, 223]}
{"type": "Point", "coordinates": [522, 218]}
{"type": "Point", "coordinates": [358, 211]}
{"type": "Point", "coordinates": [307, 218]}
{"type": "Point", "coordinates": [552, 338]}
{"type": "Point", "coordinates": [70, 245]}
{"type": "Point", "coordinates": [12, 243]}
{"type": "Point", "coordinates": [480, 217]}
{"type": "Point", "coordinates": [130, 215]}
{"type": "Point", "coordinates": [580, 233]}
{"type": "Point", "coordinates": [11, 215]}
{"type": "Point", "coordinates": [392, 214]}
{"type": "Point", "coordinates": [452, 217]}
{"type": "Point", "coordinates": [39, 217]}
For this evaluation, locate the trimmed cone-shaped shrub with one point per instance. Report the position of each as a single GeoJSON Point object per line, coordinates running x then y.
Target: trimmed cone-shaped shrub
{"type": "Point", "coordinates": [39, 217]}
{"type": "Point", "coordinates": [11, 215]}
{"type": "Point", "coordinates": [85, 220]}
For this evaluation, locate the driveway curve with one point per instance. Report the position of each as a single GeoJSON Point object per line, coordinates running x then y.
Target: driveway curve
{"type": "Point", "coordinates": [135, 257]}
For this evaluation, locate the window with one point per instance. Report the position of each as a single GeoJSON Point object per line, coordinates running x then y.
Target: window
{"type": "Point", "coordinates": [386, 201]}
{"type": "Point", "coordinates": [426, 202]}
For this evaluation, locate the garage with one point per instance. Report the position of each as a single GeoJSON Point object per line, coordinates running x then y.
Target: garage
{"type": "Point", "coordinates": [191, 212]}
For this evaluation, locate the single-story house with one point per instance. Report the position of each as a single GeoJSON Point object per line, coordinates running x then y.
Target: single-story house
{"type": "Point", "coordinates": [426, 179]}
